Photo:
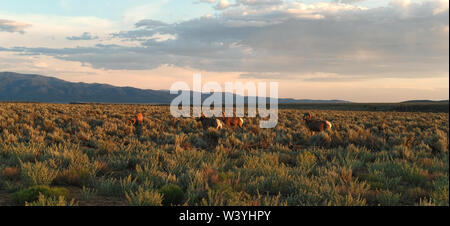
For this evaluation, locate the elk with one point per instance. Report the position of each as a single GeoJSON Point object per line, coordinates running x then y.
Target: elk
{"type": "Point", "coordinates": [316, 125]}
{"type": "Point", "coordinates": [137, 119]}
{"type": "Point", "coordinates": [232, 121]}
{"type": "Point", "coordinates": [210, 122]}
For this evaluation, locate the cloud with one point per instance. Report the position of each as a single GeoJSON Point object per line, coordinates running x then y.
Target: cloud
{"type": "Point", "coordinates": [150, 24]}
{"type": "Point", "coordinates": [269, 75]}
{"type": "Point", "coordinates": [222, 4]}
{"type": "Point", "coordinates": [84, 36]}
{"type": "Point", "coordinates": [292, 40]}
{"type": "Point", "coordinates": [260, 2]}
{"type": "Point", "coordinates": [13, 26]}
{"type": "Point", "coordinates": [348, 1]}
{"type": "Point", "coordinates": [145, 11]}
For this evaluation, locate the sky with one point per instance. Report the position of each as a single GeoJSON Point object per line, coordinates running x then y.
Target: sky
{"type": "Point", "coordinates": [355, 50]}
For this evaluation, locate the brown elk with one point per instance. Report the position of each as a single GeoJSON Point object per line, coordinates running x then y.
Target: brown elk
{"type": "Point", "coordinates": [210, 122]}
{"type": "Point", "coordinates": [137, 119]}
{"type": "Point", "coordinates": [232, 121]}
{"type": "Point", "coordinates": [316, 125]}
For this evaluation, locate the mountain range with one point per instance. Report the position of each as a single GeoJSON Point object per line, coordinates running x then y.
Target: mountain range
{"type": "Point", "coordinates": [15, 87]}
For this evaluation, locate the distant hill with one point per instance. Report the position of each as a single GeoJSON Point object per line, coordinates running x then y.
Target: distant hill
{"type": "Point", "coordinates": [307, 101]}
{"type": "Point", "coordinates": [15, 87]}
{"type": "Point", "coordinates": [424, 101]}
{"type": "Point", "coordinates": [37, 88]}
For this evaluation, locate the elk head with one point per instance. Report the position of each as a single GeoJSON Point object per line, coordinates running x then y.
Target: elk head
{"type": "Point", "coordinates": [307, 116]}
{"type": "Point", "coordinates": [133, 120]}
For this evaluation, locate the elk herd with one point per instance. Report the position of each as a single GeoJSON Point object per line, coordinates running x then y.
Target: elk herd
{"type": "Point", "coordinates": [233, 122]}
{"type": "Point", "coordinates": [219, 123]}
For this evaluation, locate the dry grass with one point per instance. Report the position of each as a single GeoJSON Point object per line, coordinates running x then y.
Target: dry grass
{"type": "Point", "coordinates": [368, 158]}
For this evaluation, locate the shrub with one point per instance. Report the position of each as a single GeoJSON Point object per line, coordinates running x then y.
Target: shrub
{"type": "Point", "coordinates": [211, 175]}
{"type": "Point", "coordinates": [440, 193]}
{"type": "Point", "coordinates": [128, 184]}
{"type": "Point", "coordinates": [74, 177]}
{"type": "Point", "coordinates": [11, 173]}
{"type": "Point", "coordinates": [172, 195]}
{"type": "Point", "coordinates": [320, 139]}
{"type": "Point", "coordinates": [438, 142]}
{"type": "Point", "coordinates": [109, 187]}
{"type": "Point", "coordinates": [306, 160]}
{"type": "Point", "coordinates": [31, 194]}
{"type": "Point", "coordinates": [426, 202]}
{"type": "Point", "coordinates": [144, 198]}
{"type": "Point", "coordinates": [87, 193]}
{"type": "Point", "coordinates": [37, 173]}
{"type": "Point", "coordinates": [51, 201]}
{"type": "Point", "coordinates": [387, 198]}
{"type": "Point", "coordinates": [271, 200]}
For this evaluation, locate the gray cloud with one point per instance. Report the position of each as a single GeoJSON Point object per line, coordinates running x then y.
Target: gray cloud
{"type": "Point", "coordinates": [289, 42]}
{"type": "Point", "coordinates": [13, 26]}
{"type": "Point", "coordinates": [150, 24]}
{"type": "Point", "coordinates": [348, 1]}
{"type": "Point", "coordinates": [259, 2]}
{"type": "Point", "coordinates": [84, 36]}
{"type": "Point", "coordinates": [221, 4]}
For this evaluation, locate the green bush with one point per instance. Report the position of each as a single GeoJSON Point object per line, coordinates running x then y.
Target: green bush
{"type": "Point", "coordinates": [387, 198]}
{"type": "Point", "coordinates": [31, 194]}
{"type": "Point", "coordinates": [87, 193]}
{"type": "Point", "coordinates": [438, 142]}
{"type": "Point", "coordinates": [108, 187]}
{"type": "Point", "coordinates": [172, 195]}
